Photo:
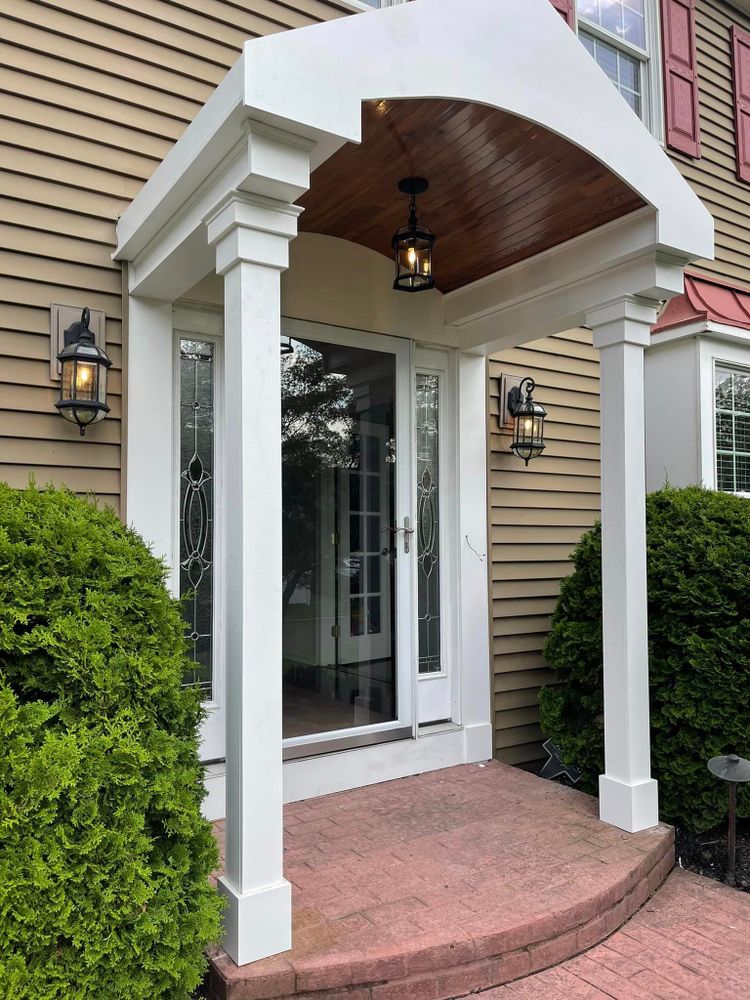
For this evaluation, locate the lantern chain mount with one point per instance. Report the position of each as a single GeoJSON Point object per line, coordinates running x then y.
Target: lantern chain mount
{"type": "Point", "coordinates": [413, 244]}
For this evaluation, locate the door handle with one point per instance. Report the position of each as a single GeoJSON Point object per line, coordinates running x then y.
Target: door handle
{"type": "Point", "coordinates": [407, 530]}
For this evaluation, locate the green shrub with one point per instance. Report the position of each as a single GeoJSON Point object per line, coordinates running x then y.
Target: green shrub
{"type": "Point", "coordinates": [104, 855]}
{"type": "Point", "coordinates": [699, 643]}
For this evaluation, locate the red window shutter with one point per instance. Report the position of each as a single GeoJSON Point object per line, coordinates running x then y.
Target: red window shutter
{"type": "Point", "coordinates": [566, 9]}
{"type": "Point", "coordinates": [741, 66]}
{"type": "Point", "coordinates": [680, 76]}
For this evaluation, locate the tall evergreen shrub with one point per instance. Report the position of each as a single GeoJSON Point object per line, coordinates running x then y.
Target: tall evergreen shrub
{"type": "Point", "coordinates": [699, 647]}
{"type": "Point", "coordinates": [104, 856]}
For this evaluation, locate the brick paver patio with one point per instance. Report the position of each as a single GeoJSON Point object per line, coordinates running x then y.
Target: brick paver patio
{"type": "Point", "coordinates": [689, 942]}
{"type": "Point", "coordinates": [447, 883]}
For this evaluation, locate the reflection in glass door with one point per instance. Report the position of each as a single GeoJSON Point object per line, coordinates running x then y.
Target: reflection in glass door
{"type": "Point", "coordinates": [339, 551]}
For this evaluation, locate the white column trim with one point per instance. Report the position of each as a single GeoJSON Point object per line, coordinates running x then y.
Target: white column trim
{"type": "Point", "coordinates": [475, 655]}
{"type": "Point", "coordinates": [628, 796]}
{"type": "Point", "coordinates": [251, 237]}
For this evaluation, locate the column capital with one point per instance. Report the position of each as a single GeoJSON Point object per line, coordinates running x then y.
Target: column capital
{"type": "Point", "coordinates": [626, 320]}
{"type": "Point", "coordinates": [251, 228]}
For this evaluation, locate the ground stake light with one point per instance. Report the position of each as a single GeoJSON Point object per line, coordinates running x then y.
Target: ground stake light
{"type": "Point", "coordinates": [735, 771]}
{"type": "Point", "coordinates": [528, 421]}
{"type": "Point", "coordinates": [83, 377]}
{"type": "Point", "coordinates": [412, 244]}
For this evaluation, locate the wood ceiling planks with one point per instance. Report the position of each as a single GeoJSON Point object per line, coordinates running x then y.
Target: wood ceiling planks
{"type": "Point", "coordinates": [501, 189]}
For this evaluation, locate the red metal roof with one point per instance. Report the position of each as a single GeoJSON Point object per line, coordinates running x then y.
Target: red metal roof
{"type": "Point", "coordinates": [709, 301]}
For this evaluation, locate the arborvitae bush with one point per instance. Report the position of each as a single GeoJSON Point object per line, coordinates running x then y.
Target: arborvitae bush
{"type": "Point", "coordinates": [699, 645]}
{"type": "Point", "coordinates": [104, 855]}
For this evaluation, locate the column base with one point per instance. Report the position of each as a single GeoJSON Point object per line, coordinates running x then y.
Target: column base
{"type": "Point", "coordinates": [478, 742]}
{"type": "Point", "coordinates": [630, 807]}
{"type": "Point", "coordinates": [257, 924]}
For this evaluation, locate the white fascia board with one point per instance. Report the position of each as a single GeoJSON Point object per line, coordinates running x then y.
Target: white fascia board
{"type": "Point", "coordinates": [706, 329]}
{"type": "Point", "coordinates": [208, 139]}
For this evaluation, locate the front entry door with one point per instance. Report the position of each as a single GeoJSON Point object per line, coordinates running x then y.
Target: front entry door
{"type": "Point", "coordinates": [347, 622]}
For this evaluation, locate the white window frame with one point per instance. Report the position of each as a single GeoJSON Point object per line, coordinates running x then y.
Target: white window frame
{"type": "Point", "coordinates": [718, 362]}
{"type": "Point", "coordinates": [652, 96]}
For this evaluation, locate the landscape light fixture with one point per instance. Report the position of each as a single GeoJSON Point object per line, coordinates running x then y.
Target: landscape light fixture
{"type": "Point", "coordinates": [735, 771]}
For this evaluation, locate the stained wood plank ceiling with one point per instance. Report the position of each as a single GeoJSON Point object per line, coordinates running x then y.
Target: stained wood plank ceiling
{"type": "Point", "coordinates": [501, 189]}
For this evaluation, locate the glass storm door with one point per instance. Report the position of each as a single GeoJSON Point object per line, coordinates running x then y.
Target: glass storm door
{"type": "Point", "coordinates": [346, 648]}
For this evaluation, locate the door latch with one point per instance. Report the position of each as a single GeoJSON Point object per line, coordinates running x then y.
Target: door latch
{"type": "Point", "coordinates": [407, 530]}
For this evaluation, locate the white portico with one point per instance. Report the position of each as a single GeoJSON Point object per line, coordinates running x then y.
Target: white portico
{"type": "Point", "coordinates": [221, 214]}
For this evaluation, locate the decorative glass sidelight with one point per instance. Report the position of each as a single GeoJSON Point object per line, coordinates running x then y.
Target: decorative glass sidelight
{"type": "Point", "coordinates": [428, 522]}
{"type": "Point", "coordinates": [197, 507]}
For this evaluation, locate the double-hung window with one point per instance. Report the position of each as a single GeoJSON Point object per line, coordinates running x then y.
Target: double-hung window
{"type": "Point", "coordinates": [622, 36]}
{"type": "Point", "coordinates": [732, 409]}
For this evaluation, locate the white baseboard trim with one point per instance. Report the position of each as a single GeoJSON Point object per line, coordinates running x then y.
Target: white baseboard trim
{"type": "Point", "coordinates": [337, 772]}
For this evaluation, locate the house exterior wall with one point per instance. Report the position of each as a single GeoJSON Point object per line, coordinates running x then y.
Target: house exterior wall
{"type": "Point", "coordinates": [714, 175]}
{"type": "Point", "coordinates": [537, 514]}
{"type": "Point", "coordinates": [94, 95]}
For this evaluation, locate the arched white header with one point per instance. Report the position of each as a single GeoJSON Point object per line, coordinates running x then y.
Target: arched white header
{"type": "Point", "coordinates": [515, 55]}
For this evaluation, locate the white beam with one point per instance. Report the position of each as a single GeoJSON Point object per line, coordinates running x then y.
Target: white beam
{"type": "Point", "coordinates": [264, 161]}
{"type": "Point", "coordinates": [628, 796]}
{"type": "Point", "coordinates": [554, 290]}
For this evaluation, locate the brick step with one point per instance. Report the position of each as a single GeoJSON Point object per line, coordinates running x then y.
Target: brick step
{"type": "Point", "coordinates": [500, 947]}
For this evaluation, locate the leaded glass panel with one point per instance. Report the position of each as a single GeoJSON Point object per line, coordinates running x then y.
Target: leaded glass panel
{"type": "Point", "coordinates": [428, 522]}
{"type": "Point", "coordinates": [197, 507]}
{"type": "Point", "coordinates": [732, 397]}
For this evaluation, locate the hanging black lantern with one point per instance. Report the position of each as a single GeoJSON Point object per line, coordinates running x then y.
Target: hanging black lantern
{"type": "Point", "coordinates": [412, 244]}
{"type": "Point", "coordinates": [83, 376]}
{"type": "Point", "coordinates": [528, 421]}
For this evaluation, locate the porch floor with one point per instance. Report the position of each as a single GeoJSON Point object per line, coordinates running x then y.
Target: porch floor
{"type": "Point", "coordinates": [446, 883]}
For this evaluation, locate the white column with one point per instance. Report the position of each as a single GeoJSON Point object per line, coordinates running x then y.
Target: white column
{"type": "Point", "coordinates": [251, 236]}
{"type": "Point", "coordinates": [628, 796]}
{"type": "Point", "coordinates": [474, 607]}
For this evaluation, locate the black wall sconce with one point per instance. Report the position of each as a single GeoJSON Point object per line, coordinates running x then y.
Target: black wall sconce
{"type": "Point", "coordinates": [528, 421]}
{"type": "Point", "coordinates": [412, 244]}
{"type": "Point", "coordinates": [83, 377]}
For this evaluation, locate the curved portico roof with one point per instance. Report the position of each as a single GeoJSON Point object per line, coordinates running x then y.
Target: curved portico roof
{"type": "Point", "coordinates": [518, 56]}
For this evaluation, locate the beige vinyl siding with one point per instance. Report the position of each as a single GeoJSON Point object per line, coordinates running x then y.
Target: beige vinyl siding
{"type": "Point", "coordinates": [92, 96]}
{"type": "Point", "coordinates": [537, 514]}
{"type": "Point", "coordinates": [714, 175]}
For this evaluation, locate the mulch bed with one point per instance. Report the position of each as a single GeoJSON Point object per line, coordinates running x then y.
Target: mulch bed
{"type": "Point", "coordinates": [706, 854]}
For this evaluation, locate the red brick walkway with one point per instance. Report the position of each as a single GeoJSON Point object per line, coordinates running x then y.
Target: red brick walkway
{"type": "Point", "coordinates": [691, 940]}
{"type": "Point", "coordinates": [446, 883]}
